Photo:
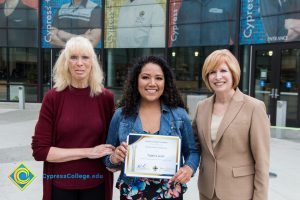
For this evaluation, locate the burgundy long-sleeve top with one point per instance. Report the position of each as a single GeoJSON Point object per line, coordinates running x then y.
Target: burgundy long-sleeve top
{"type": "Point", "coordinates": [73, 119]}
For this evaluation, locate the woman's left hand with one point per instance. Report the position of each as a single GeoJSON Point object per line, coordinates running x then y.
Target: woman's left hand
{"type": "Point", "coordinates": [183, 175]}
{"type": "Point", "coordinates": [100, 151]}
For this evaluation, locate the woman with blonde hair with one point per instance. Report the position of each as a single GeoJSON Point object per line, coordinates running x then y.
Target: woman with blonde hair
{"type": "Point", "coordinates": [233, 135]}
{"type": "Point", "coordinates": [72, 127]}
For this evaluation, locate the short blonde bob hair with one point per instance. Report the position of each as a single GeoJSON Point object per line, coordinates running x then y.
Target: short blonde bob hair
{"type": "Point", "coordinates": [62, 75]}
{"type": "Point", "coordinates": [215, 59]}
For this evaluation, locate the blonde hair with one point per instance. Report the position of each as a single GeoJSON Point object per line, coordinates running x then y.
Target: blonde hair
{"type": "Point", "coordinates": [62, 76]}
{"type": "Point", "coordinates": [215, 59]}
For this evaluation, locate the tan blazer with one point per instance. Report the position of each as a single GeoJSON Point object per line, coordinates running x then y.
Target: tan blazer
{"type": "Point", "coordinates": [238, 167]}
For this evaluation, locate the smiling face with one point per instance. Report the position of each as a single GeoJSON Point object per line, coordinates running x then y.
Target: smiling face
{"type": "Point", "coordinates": [80, 65]}
{"type": "Point", "coordinates": [151, 82]}
{"type": "Point", "coordinates": [220, 79]}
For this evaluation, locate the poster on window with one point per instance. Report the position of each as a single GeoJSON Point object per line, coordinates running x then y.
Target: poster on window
{"type": "Point", "coordinates": [135, 23]}
{"type": "Point", "coordinates": [265, 21]}
{"type": "Point", "coordinates": [201, 23]}
{"type": "Point", "coordinates": [63, 19]}
{"type": "Point", "coordinates": [18, 23]}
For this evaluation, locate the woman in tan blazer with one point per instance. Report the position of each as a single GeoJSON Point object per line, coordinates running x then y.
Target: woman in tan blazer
{"type": "Point", "coordinates": [233, 134]}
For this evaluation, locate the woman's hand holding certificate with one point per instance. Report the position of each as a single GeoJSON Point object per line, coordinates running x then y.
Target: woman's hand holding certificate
{"type": "Point", "coordinates": [119, 154]}
{"type": "Point", "coordinates": [183, 175]}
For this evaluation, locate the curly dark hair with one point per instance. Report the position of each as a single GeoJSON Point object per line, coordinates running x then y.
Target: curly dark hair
{"type": "Point", "coordinates": [131, 96]}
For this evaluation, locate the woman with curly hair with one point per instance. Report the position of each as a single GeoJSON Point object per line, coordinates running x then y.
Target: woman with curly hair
{"type": "Point", "coordinates": [151, 104]}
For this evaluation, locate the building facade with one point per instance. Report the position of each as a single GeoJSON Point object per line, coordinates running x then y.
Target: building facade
{"type": "Point", "coordinates": [263, 35]}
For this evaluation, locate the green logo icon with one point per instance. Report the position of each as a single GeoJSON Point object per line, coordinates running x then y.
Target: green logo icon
{"type": "Point", "coordinates": [22, 176]}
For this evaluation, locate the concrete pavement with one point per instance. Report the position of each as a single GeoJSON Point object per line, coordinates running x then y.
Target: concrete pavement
{"type": "Point", "coordinates": [17, 126]}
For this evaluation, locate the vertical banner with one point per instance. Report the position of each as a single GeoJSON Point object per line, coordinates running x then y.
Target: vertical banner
{"type": "Point", "coordinates": [135, 24]}
{"type": "Point", "coordinates": [251, 26]}
{"type": "Point", "coordinates": [63, 19]}
{"type": "Point", "coordinates": [201, 23]}
{"type": "Point", "coordinates": [264, 21]}
{"type": "Point", "coordinates": [18, 20]}
{"type": "Point", "coordinates": [174, 7]}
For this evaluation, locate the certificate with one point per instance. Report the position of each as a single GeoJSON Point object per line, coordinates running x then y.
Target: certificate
{"type": "Point", "coordinates": [152, 156]}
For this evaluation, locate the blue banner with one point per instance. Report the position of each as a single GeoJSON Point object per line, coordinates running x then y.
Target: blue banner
{"type": "Point", "coordinates": [265, 21]}
{"type": "Point", "coordinates": [62, 19]}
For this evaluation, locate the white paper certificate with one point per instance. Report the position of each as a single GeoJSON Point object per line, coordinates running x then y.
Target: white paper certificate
{"type": "Point", "coordinates": [152, 156]}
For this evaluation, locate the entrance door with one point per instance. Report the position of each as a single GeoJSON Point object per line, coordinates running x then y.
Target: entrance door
{"type": "Point", "coordinates": [276, 81]}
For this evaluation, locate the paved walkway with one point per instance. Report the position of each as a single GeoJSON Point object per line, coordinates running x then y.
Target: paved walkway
{"type": "Point", "coordinates": [17, 126]}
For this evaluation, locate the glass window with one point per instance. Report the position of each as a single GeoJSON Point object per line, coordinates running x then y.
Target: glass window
{"type": "Point", "coordinates": [198, 23]}
{"type": "Point", "coordinates": [120, 60]}
{"type": "Point", "coordinates": [289, 81]}
{"type": "Point", "coordinates": [187, 66]}
{"type": "Point", "coordinates": [3, 65]}
{"type": "Point", "coordinates": [3, 74]}
{"type": "Point", "coordinates": [23, 72]}
{"type": "Point", "coordinates": [245, 66]}
{"type": "Point", "coordinates": [266, 21]}
{"type": "Point", "coordinates": [63, 19]}
{"type": "Point", "coordinates": [3, 92]}
{"type": "Point", "coordinates": [47, 69]}
{"type": "Point", "coordinates": [23, 65]}
{"type": "Point", "coordinates": [18, 20]}
{"type": "Point", "coordinates": [135, 24]}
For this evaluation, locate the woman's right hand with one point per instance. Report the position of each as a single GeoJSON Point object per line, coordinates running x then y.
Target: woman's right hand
{"type": "Point", "coordinates": [100, 151]}
{"type": "Point", "coordinates": [119, 154]}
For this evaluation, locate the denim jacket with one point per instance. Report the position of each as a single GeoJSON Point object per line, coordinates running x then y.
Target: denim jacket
{"type": "Point", "coordinates": [173, 121]}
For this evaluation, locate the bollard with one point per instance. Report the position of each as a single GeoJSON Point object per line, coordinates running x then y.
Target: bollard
{"type": "Point", "coordinates": [21, 98]}
{"type": "Point", "coordinates": [281, 113]}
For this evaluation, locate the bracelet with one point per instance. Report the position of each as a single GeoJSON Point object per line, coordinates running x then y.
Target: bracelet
{"type": "Point", "coordinates": [110, 159]}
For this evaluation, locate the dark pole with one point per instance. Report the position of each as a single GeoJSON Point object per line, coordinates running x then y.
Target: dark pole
{"type": "Point", "coordinates": [39, 60]}
{"type": "Point", "coordinates": [167, 31]}
{"type": "Point", "coordinates": [102, 60]}
{"type": "Point", "coordinates": [237, 31]}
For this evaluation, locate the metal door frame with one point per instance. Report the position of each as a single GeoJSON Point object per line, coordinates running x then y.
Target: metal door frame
{"type": "Point", "coordinates": [276, 71]}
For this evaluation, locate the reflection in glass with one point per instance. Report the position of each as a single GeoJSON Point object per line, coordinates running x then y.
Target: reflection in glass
{"type": "Point", "coordinates": [16, 21]}
{"type": "Point", "coordinates": [3, 74]}
{"type": "Point", "coordinates": [3, 65]}
{"type": "Point", "coordinates": [64, 19]}
{"type": "Point", "coordinates": [186, 66]}
{"type": "Point", "coordinates": [22, 71]}
{"type": "Point", "coordinates": [23, 65]}
{"type": "Point", "coordinates": [289, 80]}
{"type": "Point", "coordinates": [281, 20]}
{"type": "Point", "coordinates": [267, 21]}
{"type": "Point", "coordinates": [200, 23]}
{"type": "Point", "coordinates": [135, 24]}
{"type": "Point", "coordinates": [186, 63]}
{"type": "Point", "coordinates": [119, 61]}
{"type": "Point", "coordinates": [47, 69]}
{"type": "Point", "coordinates": [263, 83]}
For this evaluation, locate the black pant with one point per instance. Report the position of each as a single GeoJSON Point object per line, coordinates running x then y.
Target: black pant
{"type": "Point", "coordinates": [95, 193]}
